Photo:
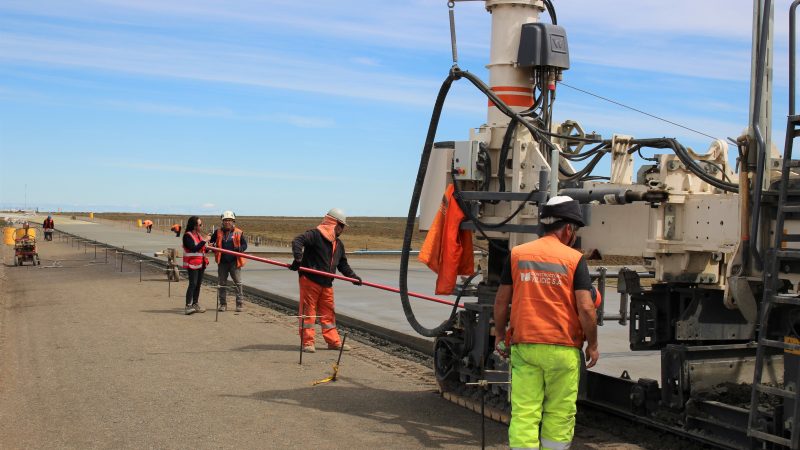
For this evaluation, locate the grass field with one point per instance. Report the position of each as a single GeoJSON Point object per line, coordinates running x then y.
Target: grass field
{"type": "Point", "coordinates": [362, 233]}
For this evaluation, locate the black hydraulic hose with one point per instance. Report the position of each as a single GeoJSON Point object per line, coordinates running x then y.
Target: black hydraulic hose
{"type": "Point", "coordinates": [586, 170]}
{"type": "Point", "coordinates": [687, 160]}
{"type": "Point", "coordinates": [695, 168]}
{"type": "Point", "coordinates": [551, 11]}
{"type": "Point", "coordinates": [504, 149]}
{"type": "Point", "coordinates": [487, 166]}
{"type": "Point", "coordinates": [412, 214]}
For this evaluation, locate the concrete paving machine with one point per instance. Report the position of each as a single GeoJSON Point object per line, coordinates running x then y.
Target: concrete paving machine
{"type": "Point", "coordinates": [721, 243]}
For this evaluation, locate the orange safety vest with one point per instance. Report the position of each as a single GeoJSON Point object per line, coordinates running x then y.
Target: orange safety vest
{"type": "Point", "coordinates": [237, 242]}
{"type": "Point", "coordinates": [447, 249]}
{"type": "Point", "coordinates": [175, 227]}
{"type": "Point", "coordinates": [194, 260]}
{"type": "Point", "coordinates": [544, 309]}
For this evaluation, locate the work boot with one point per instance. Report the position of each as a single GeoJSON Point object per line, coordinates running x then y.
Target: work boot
{"type": "Point", "coordinates": [239, 307]}
{"type": "Point", "coordinates": [223, 307]}
{"type": "Point", "coordinates": [344, 347]}
{"type": "Point", "coordinates": [198, 308]}
{"type": "Point", "coordinates": [309, 348]}
{"type": "Point", "coordinates": [189, 310]}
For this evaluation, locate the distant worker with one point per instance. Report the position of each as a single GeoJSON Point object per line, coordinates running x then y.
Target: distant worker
{"type": "Point", "coordinates": [195, 262]}
{"type": "Point", "coordinates": [321, 249]}
{"type": "Point", "coordinates": [176, 228]}
{"type": "Point", "coordinates": [229, 237]}
{"type": "Point", "coordinates": [148, 224]}
{"type": "Point", "coordinates": [48, 226]}
{"type": "Point", "coordinates": [549, 289]}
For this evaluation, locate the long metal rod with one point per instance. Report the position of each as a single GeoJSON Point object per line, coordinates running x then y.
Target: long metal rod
{"type": "Point", "coordinates": [331, 275]}
{"type": "Point", "coordinates": [792, 61]}
{"type": "Point", "coordinates": [761, 57]}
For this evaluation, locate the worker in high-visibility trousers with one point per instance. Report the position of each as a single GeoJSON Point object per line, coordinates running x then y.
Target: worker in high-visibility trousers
{"type": "Point", "coordinates": [321, 249]}
{"type": "Point", "coordinates": [553, 314]}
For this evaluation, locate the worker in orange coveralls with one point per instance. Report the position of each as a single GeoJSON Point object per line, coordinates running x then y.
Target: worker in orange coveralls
{"type": "Point", "coordinates": [176, 228]}
{"type": "Point", "coordinates": [321, 249]}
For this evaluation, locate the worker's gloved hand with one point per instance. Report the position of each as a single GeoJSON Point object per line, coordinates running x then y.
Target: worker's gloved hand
{"type": "Point", "coordinates": [358, 280]}
{"type": "Point", "coordinates": [295, 265]}
{"type": "Point", "coordinates": [502, 349]}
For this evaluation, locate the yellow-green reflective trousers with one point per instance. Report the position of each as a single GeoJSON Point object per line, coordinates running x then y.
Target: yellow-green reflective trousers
{"type": "Point", "coordinates": [544, 389]}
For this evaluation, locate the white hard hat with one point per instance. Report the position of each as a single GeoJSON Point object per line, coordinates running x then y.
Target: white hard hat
{"type": "Point", "coordinates": [228, 215]}
{"type": "Point", "coordinates": [562, 207]}
{"type": "Point", "coordinates": [339, 215]}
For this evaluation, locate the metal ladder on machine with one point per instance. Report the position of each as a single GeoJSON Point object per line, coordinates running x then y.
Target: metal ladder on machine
{"type": "Point", "coordinates": [776, 255]}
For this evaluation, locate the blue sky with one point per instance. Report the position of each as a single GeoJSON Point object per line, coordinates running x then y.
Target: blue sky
{"type": "Point", "coordinates": [291, 108]}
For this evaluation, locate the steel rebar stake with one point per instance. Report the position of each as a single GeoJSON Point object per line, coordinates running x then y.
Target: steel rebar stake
{"type": "Point", "coordinates": [300, 330]}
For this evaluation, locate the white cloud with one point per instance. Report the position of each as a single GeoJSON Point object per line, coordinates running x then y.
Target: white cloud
{"type": "Point", "coordinates": [167, 109]}
{"type": "Point", "coordinates": [305, 121]}
{"type": "Point", "coordinates": [364, 61]}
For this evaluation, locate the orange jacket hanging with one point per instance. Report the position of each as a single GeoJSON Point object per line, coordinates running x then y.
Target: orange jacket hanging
{"type": "Point", "coordinates": [447, 250]}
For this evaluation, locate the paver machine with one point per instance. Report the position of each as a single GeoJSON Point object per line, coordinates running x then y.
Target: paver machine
{"type": "Point", "coordinates": [720, 239]}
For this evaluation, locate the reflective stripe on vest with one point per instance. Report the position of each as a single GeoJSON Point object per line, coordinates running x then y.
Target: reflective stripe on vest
{"type": "Point", "coordinates": [237, 242]}
{"type": "Point", "coordinates": [194, 260]}
{"type": "Point", "coordinates": [543, 306]}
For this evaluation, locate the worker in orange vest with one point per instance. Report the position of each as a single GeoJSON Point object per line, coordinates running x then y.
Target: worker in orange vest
{"type": "Point", "coordinates": [321, 249]}
{"type": "Point", "coordinates": [148, 224]}
{"type": "Point", "coordinates": [229, 237]}
{"type": "Point", "coordinates": [553, 314]}
{"type": "Point", "coordinates": [195, 262]}
{"type": "Point", "coordinates": [176, 228]}
{"type": "Point", "coordinates": [48, 226]}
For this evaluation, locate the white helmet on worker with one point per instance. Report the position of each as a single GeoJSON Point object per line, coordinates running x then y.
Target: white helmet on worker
{"type": "Point", "coordinates": [562, 208]}
{"type": "Point", "coordinates": [228, 215]}
{"type": "Point", "coordinates": [339, 215]}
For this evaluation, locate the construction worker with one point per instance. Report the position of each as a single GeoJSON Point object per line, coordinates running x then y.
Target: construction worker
{"type": "Point", "coordinates": [48, 226]}
{"type": "Point", "coordinates": [229, 237]}
{"type": "Point", "coordinates": [148, 224]}
{"type": "Point", "coordinates": [553, 313]}
{"type": "Point", "coordinates": [176, 228]}
{"type": "Point", "coordinates": [321, 249]}
{"type": "Point", "coordinates": [195, 262]}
